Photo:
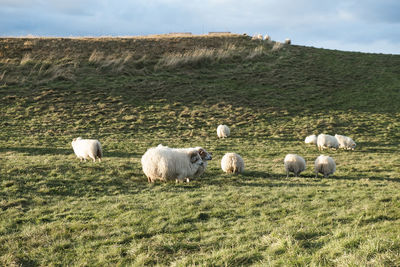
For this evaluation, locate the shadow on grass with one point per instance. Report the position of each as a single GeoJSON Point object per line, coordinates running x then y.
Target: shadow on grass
{"type": "Point", "coordinates": [374, 147]}
{"type": "Point", "coordinates": [36, 151]}
{"type": "Point", "coordinates": [371, 178]}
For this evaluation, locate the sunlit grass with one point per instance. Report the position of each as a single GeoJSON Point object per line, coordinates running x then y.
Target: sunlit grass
{"type": "Point", "coordinates": [55, 210]}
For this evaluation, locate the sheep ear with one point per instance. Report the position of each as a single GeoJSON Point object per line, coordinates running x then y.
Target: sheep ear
{"type": "Point", "coordinates": [201, 152]}
{"type": "Point", "coordinates": [193, 157]}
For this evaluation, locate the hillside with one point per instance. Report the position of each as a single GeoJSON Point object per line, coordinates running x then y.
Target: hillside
{"type": "Point", "coordinates": [134, 93]}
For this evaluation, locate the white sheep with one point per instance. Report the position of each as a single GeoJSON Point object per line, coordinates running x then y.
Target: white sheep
{"type": "Point", "coordinates": [345, 142]}
{"type": "Point", "coordinates": [294, 163]}
{"type": "Point", "coordinates": [327, 141]}
{"type": "Point", "coordinates": [87, 148]}
{"type": "Point", "coordinates": [288, 41]}
{"type": "Point", "coordinates": [232, 163]}
{"type": "Point", "coordinates": [165, 163]}
{"type": "Point", "coordinates": [267, 37]}
{"type": "Point", "coordinates": [205, 157]}
{"type": "Point", "coordinates": [223, 131]}
{"type": "Point", "coordinates": [257, 37]}
{"type": "Point", "coordinates": [311, 139]}
{"type": "Point", "coordinates": [325, 165]}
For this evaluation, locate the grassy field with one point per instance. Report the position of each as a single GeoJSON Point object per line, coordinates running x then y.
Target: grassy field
{"type": "Point", "coordinates": [134, 93]}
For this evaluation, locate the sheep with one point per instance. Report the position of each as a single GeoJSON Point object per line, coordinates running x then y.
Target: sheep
{"type": "Point", "coordinates": [165, 163]}
{"type": "Point", "coordinates": [232, 163]}
{"type": "Point", "coordinates": [325, 165]}
{"type": "Point", "coordinates": [327, 141]}
{"type": "Point", "coordinates": [294, 163]}
{"type": "Point", "coordinates": [345, 142]}
{"type": "Point", "coordinates": [267, 37]}
{"type": "Point", "coordinates": [311, 139]}
{"type": "Point", "coordinates": [205, 156]}
{"type": "Point", "coordinates": [288, 41]}
{"type": "Point", "coordinates": [223, 131]}
{"type": "Point", "coordinates": [87, 148]}
{"type": "Point", "coordinates": [257, 37]}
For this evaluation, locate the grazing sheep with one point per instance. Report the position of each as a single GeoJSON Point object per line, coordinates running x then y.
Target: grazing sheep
{"type": "Point", "coordinates": [325, 165]}
{"type": "Point", "coordinates": [87, 148]}
{"type": "Point", "coordinates": [267, 37]}
{"type": "Point", "coordinates": [257, 37]}
{"type": "Point", "coordinates": [345, 142]}
{"type": "Point", "coordinates": [311, 139]}
{"type": "Point", "coordinates": [165, 163]}
{"type": "Point", "coordinates": [205, 156]}
{"type": "Point", "coordinates": [288, 41]}
{"type": "Point", "coordinates": [223, 131]}
{"type": "Point", "coordinates": [294, 163]}
{"type": "Point", "coordinates": [232, 163]}
{"type": "Point", "coordinates": [327, 141]}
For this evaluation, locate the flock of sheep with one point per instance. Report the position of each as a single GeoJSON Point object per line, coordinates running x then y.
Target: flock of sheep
{"type": "Point", "coordinates": [268, 38]}
{"type": "Point", "coordinates": [180, 164]}
{"type": "Point", "coordinates": [323, 164]}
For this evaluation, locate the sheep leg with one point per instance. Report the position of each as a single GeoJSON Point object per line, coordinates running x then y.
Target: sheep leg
{"type": "Point", "coordinates": [287, 174]}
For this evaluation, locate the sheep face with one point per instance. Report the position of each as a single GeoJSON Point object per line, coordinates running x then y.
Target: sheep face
{"type": "Point", "coordinates": [204, 154]}
{"type": "Point", "coordinates": [195, 158]}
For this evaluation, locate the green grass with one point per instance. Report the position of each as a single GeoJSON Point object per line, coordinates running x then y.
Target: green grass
{"type": "Point", "coordinates": [55, 210]}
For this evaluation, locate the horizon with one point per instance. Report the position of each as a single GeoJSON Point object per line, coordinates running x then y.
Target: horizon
{"type": "Point", "coordinates": [368, 26]}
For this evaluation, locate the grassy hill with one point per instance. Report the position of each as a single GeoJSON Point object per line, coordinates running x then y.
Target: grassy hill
{"type": "Point", "coordinates": [134, 93]}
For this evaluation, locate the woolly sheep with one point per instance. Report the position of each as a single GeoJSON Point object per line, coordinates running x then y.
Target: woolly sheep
{"type": "Point", "coordinates": [223, 131]}
{"type": "Point", "coordinates": [327, 141]}
{"type": "Point", "coordinates": [87, 148]}
{"type": "Point", "coordinates": [288, 41]}
{"type": "Point", "coordinates": [257, 37]}
{"type": "Point", "coordinates": [345, 142]}
{"type": "Point", "coordinates": [232, 163]}
{"type": "Point", "coordinates": [267, 37]}
{"type": "Point", "coordinates": [294, 163]}
{"type": "Point", "coordinates": [325, 165]}
{"type": "Point", "coordinates": [205, 157]}
{"type": "Point", "coordinates": [165, 163]}
{"type": "Point", "coordinates": [311, 139]}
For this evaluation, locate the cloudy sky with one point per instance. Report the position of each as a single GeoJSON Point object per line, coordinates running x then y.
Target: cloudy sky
{"type": "Point", "coordinates": [351, 25]}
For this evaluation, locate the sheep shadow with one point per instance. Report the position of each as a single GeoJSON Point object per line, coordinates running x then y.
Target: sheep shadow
{"type": "Point", "coordinates": [374, 147]}
{"type": "Point", "coordinates": [256, 179]}
{"type": "Point", "coordinates": [37, 151]}
{"type": "Point", "coordinates": [40, 151]}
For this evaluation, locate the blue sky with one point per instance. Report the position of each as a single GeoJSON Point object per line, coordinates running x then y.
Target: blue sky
{"type": "Point", "coordinates": [351, 25]}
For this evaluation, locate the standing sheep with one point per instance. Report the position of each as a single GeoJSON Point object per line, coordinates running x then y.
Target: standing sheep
{"type": "Point", "coordinates": [327, 141]}
{"type": "Point", "coordinates": [232, 163]}
{"type": "Point", "coordinates": [294, 163]}
{"type": "Point", "coordinates": [164, 163]}
{"type": "Point", "coordinates": [205, 157]}
{"type": "Point", "coordinates": [311, 139]}
{"type": "Point", "coordinates": [288, 41]}
{"type": "Point", "coordinates": [87, 148]}
{"type": "Point", "coordinates": [325, 165]}
{"type": "Point", "coordinates": [345, 142]}
{"type": "Point", "coordinates": [223, 131]}
{"type": "Point", "coordinates": [257, 37]}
